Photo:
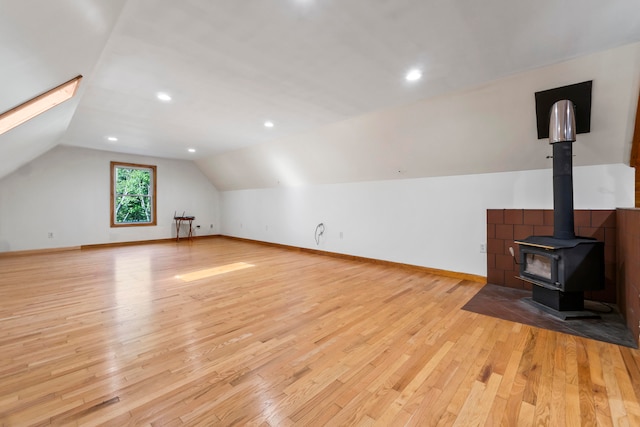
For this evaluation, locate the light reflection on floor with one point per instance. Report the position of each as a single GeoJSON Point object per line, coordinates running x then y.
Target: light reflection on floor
{"type": "Point", "coordinates": [134, 282]}
{"type": "Point", "coordinates": [134, 314]}
{"type": "Point", "coordinates": [209, 272]}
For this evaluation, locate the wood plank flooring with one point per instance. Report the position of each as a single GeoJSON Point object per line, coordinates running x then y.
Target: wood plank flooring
{"type": "Point", "coordinates": [224, 332]}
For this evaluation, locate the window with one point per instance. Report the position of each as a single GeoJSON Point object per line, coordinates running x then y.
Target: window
{"type": "Point", "coordinates": [133, 195]}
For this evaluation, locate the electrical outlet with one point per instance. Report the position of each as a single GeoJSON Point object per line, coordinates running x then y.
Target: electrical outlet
{"type": "Point", "coordinates": [50, 235]}
{"type": "Point", "coordinates": [483, 248]}
{"type": "Point", "coordinates": [341, 234]}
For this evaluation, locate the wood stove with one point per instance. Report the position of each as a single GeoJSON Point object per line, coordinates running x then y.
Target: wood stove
{"type": "Point", "coordinates": [561, 267]}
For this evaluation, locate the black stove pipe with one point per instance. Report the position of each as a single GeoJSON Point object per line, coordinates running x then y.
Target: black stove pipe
{"type": "Point", "coordinates": [561, 136]}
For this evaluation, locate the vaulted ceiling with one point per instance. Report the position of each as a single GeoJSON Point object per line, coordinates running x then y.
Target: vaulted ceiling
{"type": "Point", "coordinates": [231, 65]}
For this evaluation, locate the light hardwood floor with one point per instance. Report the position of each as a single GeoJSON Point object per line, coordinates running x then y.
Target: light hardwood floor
{"type": "Point", "coordinates": [225, 332]}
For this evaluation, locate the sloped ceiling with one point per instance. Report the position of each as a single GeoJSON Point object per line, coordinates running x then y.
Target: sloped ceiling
{"type": "Point", "coordinates": [230, 65]}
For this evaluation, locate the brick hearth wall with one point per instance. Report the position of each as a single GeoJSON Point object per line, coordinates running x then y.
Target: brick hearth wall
{"type": "Point", "coordinates": [628, 251]}
{"type": "Point", "coordinates": [505, 225]}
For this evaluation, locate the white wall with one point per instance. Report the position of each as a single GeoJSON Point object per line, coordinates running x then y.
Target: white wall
{"type": "Point", "coordinates": [66, 191]}
{"type": "Point", "coordinates": [412, 184]}
{"type": "Point", "coordinates": [432, 222]}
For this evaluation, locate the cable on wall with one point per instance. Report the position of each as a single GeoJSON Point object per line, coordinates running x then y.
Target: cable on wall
{"type": "Point", "coordinates": [319, 232]}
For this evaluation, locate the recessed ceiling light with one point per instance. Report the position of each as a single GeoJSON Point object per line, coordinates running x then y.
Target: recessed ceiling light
{"type": "Point", "coordinates": [163, 96]}
{"type": "Point", "coordinates": [191, 150]}
{"type": "Point", "coordinates": [413, 75]}
{"type": "Point", "coordinates": [268, 124]}
{"type": "Point", "coordinates": [112, 138]}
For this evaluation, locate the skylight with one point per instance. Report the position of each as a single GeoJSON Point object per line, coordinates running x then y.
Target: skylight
{"type": "Point", "coordinates": [38, 105]}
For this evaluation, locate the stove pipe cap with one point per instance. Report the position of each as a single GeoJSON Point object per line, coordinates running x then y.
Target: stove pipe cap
{"type": "Point", "coordinates": [562, 124]}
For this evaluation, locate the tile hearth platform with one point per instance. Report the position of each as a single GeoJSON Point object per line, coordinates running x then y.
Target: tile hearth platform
{"type": "Point", "coordinates": [510, 304]}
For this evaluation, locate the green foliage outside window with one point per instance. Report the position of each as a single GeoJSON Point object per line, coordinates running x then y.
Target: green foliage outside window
{"type": "Point", "coordinates": [133, 194]}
